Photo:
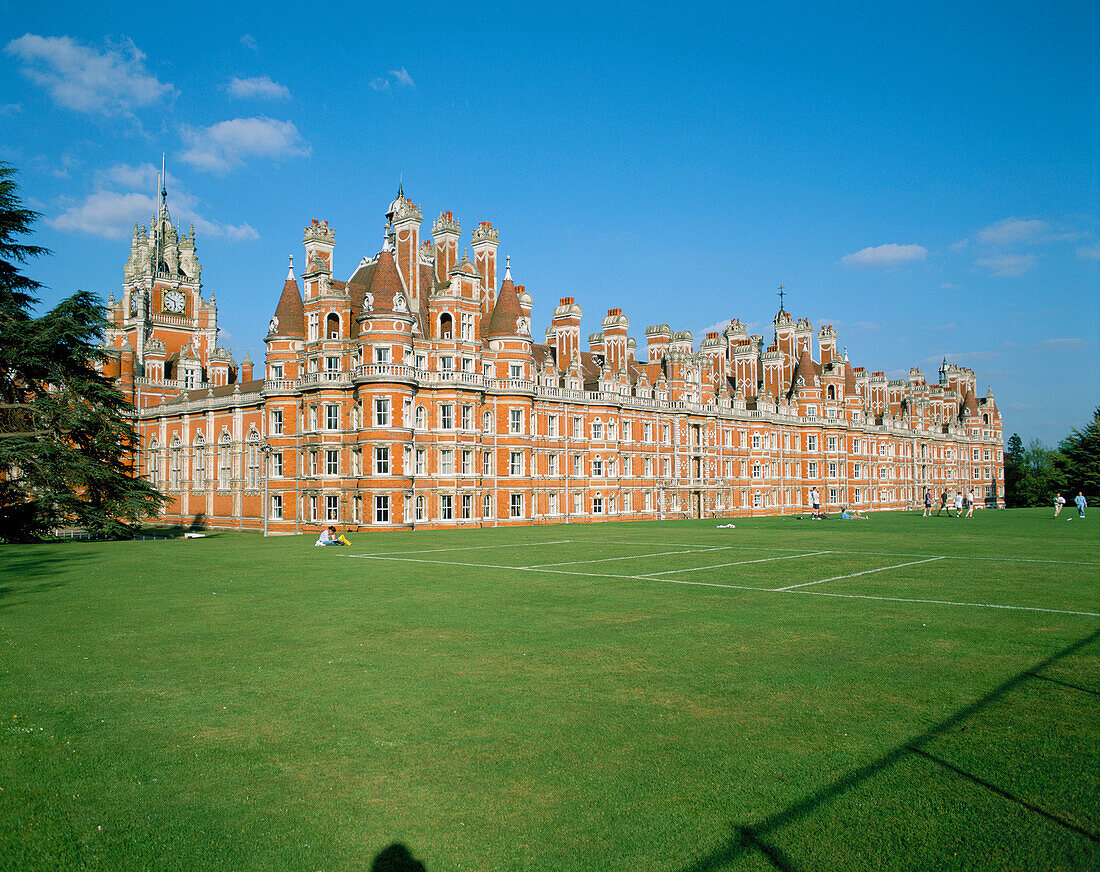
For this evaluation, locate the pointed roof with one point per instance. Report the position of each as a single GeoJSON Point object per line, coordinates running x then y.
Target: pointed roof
{"type": "Point", "coordinates": [290, 317]}
{"type": "Point", "coordinates": [805, 370]}
{"type": "Point", "coordinates": [385, 282]}
{"type": "Point", "coordinates": [506, 312]}
{"type": "Point", "coordinates": [969, 404]}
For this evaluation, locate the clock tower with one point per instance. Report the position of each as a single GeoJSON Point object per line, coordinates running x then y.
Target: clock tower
{"type": "Point", "coordinates": [161, 322]}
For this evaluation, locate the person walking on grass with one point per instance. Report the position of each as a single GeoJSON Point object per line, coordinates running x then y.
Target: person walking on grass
{"type": "Point", "coordinates": [958, 503]}
{"type": "Point", "coordinates": [927, 504]}
{"type": "Point", "coordinates": [970, 504]}
{"type": "Point", "coordinates": [1059, 502]}
{"type": "Point", "coordinates": [1081, 504]}
{"type": "Point", "coordinates": [943, 504]}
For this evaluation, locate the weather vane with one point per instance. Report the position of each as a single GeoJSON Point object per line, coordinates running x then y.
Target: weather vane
{"type": "Point", "coordinates": [781, 290]}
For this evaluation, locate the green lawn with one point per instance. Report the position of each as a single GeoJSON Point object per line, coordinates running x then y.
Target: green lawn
{"type": "Point", "coordinates": [236, 703]}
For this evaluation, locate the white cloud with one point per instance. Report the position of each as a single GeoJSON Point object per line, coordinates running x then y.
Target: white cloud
{"type": "Point", "coordinates": [890, 254]}
{"type": "Point", "coordinates": [1068, 344]}
{"type": "Point", "coordinates": [227, 144]}
{"type": "Point", "coordinates": [111, 213]}
{"type": "Point", "coordinates": [249, 42]}
{"type": "Point", "coordinates": [1089, 252]}
{"type": "Point", "coordinates": [258, 87]}
{"type": "Point", "coordinates": [403, 78]}
{"type": "Point", "coordinates": [1007, 264]}
{"type": "Point", "coordinates": [715, 328]}
{"type": "Point", "coordinates": [1012, 230]}
{"type": "Point", "coordinates": [958, 246]}
{"type": "Point", "coordinates": [400, 77]}
{"type": "Point", "coordinates": [10, 109]}
{"type": "Point", "coordinates": [113, 81]}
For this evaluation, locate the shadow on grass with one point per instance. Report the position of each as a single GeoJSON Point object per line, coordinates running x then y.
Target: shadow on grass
{"type": "Point", "coordinates": [23, 568]}
{"type": "Point", "coordinates": [751, 837]}
{"type": "Point", "coordinates": [396, 858]}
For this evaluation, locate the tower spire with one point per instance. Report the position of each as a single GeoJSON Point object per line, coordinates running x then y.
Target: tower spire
{"type": "Point", "coordinates": [782, 290]}
{"type": "Point", "coordinates": [507, 267]}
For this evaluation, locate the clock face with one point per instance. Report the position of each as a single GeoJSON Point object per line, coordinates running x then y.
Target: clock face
{"type": "Point", "coordinates": [173, 301]}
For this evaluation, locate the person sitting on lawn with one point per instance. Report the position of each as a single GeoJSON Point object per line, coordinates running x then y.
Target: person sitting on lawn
{"type": "Point", "coordinates": [847, 514]}
{"type": "Point", "coordinates": [328, 537]}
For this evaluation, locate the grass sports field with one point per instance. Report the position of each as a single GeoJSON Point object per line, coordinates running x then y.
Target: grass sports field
{"type": "Point", "coordinates": [904, 693]}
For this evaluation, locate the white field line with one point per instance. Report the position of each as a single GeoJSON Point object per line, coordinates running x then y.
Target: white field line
{"type": "Point", "coordinates": [738, 563]}
{"type": "Point", "coordinates": [628, 557]}
{"type": "Point", "coordinates": [745, 587]}
{"type": "Point", "coordinates": [854, 574]}
{"type": "Point", "coordinates": [463, 548]}
{"type": "Point", "coordinates": [887, 554]}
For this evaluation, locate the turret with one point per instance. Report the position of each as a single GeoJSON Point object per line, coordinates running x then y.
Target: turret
{"type": "Point", "coordinates": [657, 337]}
{"type": "Point", "coordinates": [484, 243]}
{"type": "Point", "coordinates": [566, 324]}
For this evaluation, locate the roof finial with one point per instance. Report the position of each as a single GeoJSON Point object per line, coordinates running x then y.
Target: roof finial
{"type": "Point", "coordinates": [290, 270]}
{"type": "Point", "coordinates": [163, 182]}
{"type": "Point", "coordinates": [782, 289]}
{"type": "Point", "coordinates": [507, 267]}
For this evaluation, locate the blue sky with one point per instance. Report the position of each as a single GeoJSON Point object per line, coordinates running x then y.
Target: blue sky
{"type": "Point", "coordinates": [922, 176]}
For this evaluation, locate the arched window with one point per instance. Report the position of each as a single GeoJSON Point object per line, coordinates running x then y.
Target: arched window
{"type": "Point", "coordinates": [153, 462]}
{"type": "Point", "coordinates": [419, 507]}
{"type": "Point", "coordinates": [175, 463]}
{"type": "Point", "coordinates": [421, 418]}
{"type": "Point", "coordinates": [225, 468]}
{"type": "Point", "coordinates": [198, 463]}
{"type": "Point", "coordinates": [253, 460]}
{"type": "Point", "coordinates": [332, 326]}
{"type": "Point", "coordinates": [832, 392]}
{"type": "Point", "coordinates": [487, 422]}
{"type": "Point", "coordinates": [446, 326]}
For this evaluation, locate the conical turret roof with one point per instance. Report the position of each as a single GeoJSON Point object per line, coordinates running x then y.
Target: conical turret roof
{"type": "Point", "coordinates": [506, 313]}
{"type": "Point", "coordinates": [290, 319]}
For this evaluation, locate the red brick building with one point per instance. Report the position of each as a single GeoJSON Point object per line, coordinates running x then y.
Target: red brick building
{"type": "Point", "coordinates": [414, 394]}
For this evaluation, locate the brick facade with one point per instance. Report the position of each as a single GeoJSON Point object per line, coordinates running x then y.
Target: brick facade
{"type": "Point", "coordinates": [413, 394]}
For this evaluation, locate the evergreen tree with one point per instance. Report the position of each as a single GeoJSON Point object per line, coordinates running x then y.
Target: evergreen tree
{"type": "Point", "coordinates": [1080, 460]}
{"type": "Point", "coordinates": [65, 437]}
{"type": "Point", "coordinates": [1014, 458]}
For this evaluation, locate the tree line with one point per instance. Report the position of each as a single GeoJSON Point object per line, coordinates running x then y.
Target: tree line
{"type": "Point", "coordinates": [1033, 475]}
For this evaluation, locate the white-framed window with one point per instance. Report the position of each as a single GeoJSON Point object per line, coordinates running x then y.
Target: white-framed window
{"type": "Point", "coordinates": [332, 462]}
{"type": "Point", "coordinates": [276, 507]}
{"type": "Point", "coordinates": [381, 460]}
{"type": "Point", "coordinates": [446, 362]}
{"type": "Point", "coordinates": [467, 417]}
{"type": "Point", "coordinates": [381, 411]}
{"type": "Point", "coordinates": [515, 505]}
{"type": "Point", "coordinates": [515, 463]}
{"type": "Point", "coordinates": [253, 474]}
{"type": "Point", "coordinates": [552, 465]}
{"type": "Point", "coordinates": [831, 443]}
{"type": "Point", "coordinates": [421, 461]}
{"type": "Point", "coordinates": [552, 427]}
{"type": "Point", "coordinates": [446, 507]}
{"type": "Point", "coordinates": [578, 465]}
{"type": "Point", "coordinates": [418, 508]}
{"type": "Point", "coordinates": [382, 353]}
{"type": "Point", "coordinates": [277, 422]}
{"type": "Point", "coordinates": [811, 442]}
{"type": "Point", "coordinates": [486, 462]}
{"type": "Point", "coordinates": [597, 465]}
{"type": "Point", "coordinates": [276, 370]}
{"type": "Point", "coordinates": [578, 427]}
{"type": "Point", "coordinates": [832, 470]}
{"type": "Point", "coordinates": [647, 432]}
{"type": "Point", "coordinates": [467, 461]}
{"type": "Point", "coordinates": [466, 506]}
{"type": "Point", "coordinates": [446, 416]}
{"type": "Point", "coordinates": [467, 326]}
{"type": "Point", "coordinates": [332, 364]}
{"type": "Point", "coordinates": [515, 420]}
{"type": "Point", "coordinates": [381, 509]}
{"type": "Point", "coordinates": [578, 503]}
{"type": "Point", "coordinates": [276, 470]}
{"type": "Point", "coordinates": [757, 500]}
{"type": "Point", "coordinates": [487, 506]}
{"type": "Point", "coordinates": [198, 464]}
{"type": "Point", "coordinates": [515, 370]}
{"type": "Point", "coordinates": [487, 422]}
{"type": "Point", "coordinates": [812, 469]}
{"type": "Point", "coordinates": [332, 507]}
{"type": "Point", "coordinates": [755, 440]}
{"type": "Point", "coordinates": [597, 429]}
{"type": "Point", "coordinates": [421, 418]}
{"type": "Point", "coordinates": [332, 416]}
{"type": "Point", "coordinates": [225, 468]}
{"type": "Point", "coordinates": [756, 471]}
{"type": "Point", "coordinates": [597, 505]}
{"type": "Point", "coordinates": [446, 462]}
